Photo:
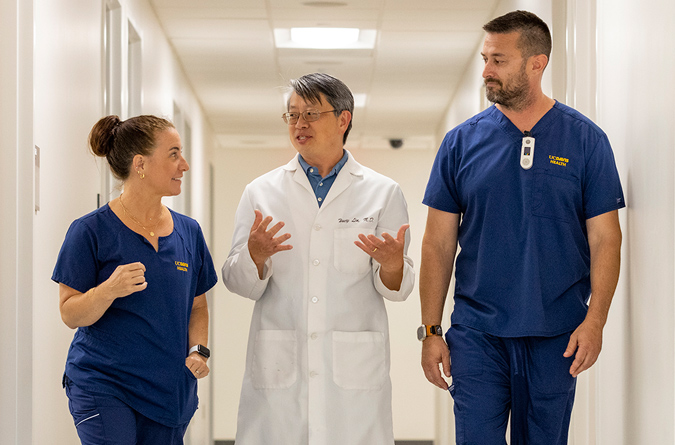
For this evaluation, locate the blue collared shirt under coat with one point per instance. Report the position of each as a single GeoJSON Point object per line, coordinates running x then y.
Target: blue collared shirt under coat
{"type": "Point", "coordinates": [320, 185]}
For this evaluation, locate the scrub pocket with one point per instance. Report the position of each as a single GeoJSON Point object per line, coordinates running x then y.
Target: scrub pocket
{"type": "Point", "coordinates": [359, 360]}
{"type": "Point", "coordinates": [348, 258]}
{"type": "Point", "coordinates": [549, 370]}
{"type": "Point", "coordinates": [274, 364]}
{"type": "Point", "coordinates": [555, 196]}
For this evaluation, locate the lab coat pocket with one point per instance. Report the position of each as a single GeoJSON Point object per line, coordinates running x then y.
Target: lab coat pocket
{"type": "Point", "coordinates": [359, 360]}
{"type": "Point", "coordinates": [348, 258]}
{"type": "Point", "coordinates": [274, 363]}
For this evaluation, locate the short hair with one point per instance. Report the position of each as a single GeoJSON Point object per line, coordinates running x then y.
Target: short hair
{"type": "Point", "coordinates": [310, 87]}
{"type": "Point", "coordinates": [535, 37]}
{"type": "Point", "coordinates": [119, 141]}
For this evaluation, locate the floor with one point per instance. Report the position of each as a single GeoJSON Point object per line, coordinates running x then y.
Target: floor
{"type": "Point", "coordinates": [398, 442]}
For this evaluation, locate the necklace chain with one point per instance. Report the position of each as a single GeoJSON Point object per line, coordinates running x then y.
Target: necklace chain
{"type": "Point", "coordinates": [152, 232]}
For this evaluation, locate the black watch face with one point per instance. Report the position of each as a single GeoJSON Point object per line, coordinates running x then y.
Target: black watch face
{"type": "Point", "coordinates": [204, 351]}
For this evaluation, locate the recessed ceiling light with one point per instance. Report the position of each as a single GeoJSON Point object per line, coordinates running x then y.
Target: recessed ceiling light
{"type": "Point", "coordinates": [323, 62]}
{"type": "Point", "coordinates": [325, 38]}
{"type": "Point", "coordinates": [360, 100]}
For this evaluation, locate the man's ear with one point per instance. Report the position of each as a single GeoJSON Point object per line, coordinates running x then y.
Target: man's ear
{"type": "Point", "coordinates": [344, 119]}
{"type": "Point", "coordinates": [539, 62]}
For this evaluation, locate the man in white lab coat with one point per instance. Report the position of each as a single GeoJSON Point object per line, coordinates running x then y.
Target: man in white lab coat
{"type": "Point", "coordinates": [317, 366]}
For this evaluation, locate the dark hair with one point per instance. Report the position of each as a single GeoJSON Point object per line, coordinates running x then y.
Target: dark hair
{"type": "Point", "coordinates": [311, 86]}
{"type": "Point", "coordinates": [535, 37]}
{"type": "Point", "coordinates": [119, 141]}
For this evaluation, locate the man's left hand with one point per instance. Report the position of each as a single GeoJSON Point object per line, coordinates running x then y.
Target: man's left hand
{"type": "Point", "coordinates": [586, 341]}
{"type": "Point", "coordinates": [388, 251]}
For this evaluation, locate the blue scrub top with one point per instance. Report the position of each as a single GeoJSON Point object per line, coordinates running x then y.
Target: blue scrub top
{"type": "Point", "coordinates": [524, 264]}
{"type": "Point", "coordinates": [136, 351]}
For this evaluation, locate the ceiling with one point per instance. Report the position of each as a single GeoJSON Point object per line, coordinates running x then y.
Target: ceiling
{"type": "Point", "coordinates": [228, 52]}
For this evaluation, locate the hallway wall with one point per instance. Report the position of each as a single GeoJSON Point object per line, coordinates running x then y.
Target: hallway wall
{"type": "Point", "coordinates": [68, 97]}
{"type": "Point", "coordinates": [628, 398]}
{"type": "Point", "coordinates": [635, 95]}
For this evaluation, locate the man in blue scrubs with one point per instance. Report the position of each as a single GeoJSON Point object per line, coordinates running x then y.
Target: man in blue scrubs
{"type": "Point", "coordinates": [530, 192]}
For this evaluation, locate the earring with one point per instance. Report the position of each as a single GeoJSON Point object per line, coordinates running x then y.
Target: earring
{"type": "Point", "coordinates": [141, 175]}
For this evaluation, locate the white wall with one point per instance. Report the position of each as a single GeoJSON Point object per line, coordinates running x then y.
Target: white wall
{"type": "Point", "coordinates": [231, 313]}
{"type": "Point", "coordinates": [412, 395]}
{"type": "Point", "coordinates": [68, 99]}
{"type": "Point", "coordinates": [16, 204]}
{"type": "Point", "coordinates": [635, 94]}
{"type": "Point", "coordinates": [629, 396]}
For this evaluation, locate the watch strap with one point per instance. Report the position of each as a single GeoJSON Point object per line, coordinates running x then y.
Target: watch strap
{"type": "Point", "coordinates": [201, 350]}
{"type": "Point", "coordinates": [434, 330]}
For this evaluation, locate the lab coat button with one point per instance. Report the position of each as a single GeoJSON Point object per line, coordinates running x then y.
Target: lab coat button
{"type": "Point", "coordinates": [315, 299]}
{"type": "Point", "coordinates": [316, 262]}
{"type": "Point", "coordinates": [314, 336]}
{"type": "Point", "coordinates": [317, 227]}
{"type": "Point", "coordinates": [313, 374]}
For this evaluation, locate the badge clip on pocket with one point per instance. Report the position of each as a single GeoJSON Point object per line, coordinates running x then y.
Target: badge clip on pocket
{"type": "Point", "coordinates": [527, 151]}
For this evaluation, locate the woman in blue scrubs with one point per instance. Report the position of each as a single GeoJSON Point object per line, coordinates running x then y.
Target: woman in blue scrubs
{"type": "Point", "coordinates": [132, 280]}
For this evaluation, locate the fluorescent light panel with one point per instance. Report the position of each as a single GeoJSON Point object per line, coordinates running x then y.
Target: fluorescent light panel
{"type": "Point", "coordinates": [325, 38]}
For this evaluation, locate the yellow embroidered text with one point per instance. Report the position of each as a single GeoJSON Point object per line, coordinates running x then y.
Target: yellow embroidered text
{"type": "Point", "coordinates": [558, 160]}
{"type": "Point", "coordinates": [181, 266]}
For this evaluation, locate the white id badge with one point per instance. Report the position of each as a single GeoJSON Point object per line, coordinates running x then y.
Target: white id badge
{"type": "Point", "coordinates": [527, 152]}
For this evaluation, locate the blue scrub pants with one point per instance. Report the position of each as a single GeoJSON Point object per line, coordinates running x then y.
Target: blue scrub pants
{"type": "Point", "coordinates": [106, 420]}
{"type": "Point", "coordinates": [494, 377]}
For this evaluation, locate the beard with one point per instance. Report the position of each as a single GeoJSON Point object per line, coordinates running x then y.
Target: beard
{"type": "Point", "coordinates": [513, 95]}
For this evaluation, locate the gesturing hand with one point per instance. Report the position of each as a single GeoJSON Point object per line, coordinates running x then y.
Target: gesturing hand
{"type": "Point", "coordinates": [261, 242]}
{"type": "Point", "coordinates": [387, 251]}
{"type": "Point", "coordinates": [125, 280]}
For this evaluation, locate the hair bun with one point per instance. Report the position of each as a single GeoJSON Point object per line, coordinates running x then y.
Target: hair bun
{"type": "Point", "coordinates": [102, 135]}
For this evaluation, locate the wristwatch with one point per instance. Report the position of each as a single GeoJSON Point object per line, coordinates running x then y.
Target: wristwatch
{"type": "Point", "coordinates": [425, 331]}
{"type": "Point", "coordinates": [201, 350]}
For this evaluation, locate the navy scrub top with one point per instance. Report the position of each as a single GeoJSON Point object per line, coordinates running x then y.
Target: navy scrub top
{"type": "Point", "coordinates": [136, 351]}
{"type": "Point", "coordinates": [524, 264]}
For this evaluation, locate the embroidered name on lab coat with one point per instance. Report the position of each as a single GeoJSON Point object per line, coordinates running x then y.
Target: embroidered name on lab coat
{"type": "Point", "coordinates": [367, 219]}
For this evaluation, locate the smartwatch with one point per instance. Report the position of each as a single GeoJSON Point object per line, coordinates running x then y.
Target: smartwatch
{"type": "Point", "coordinates": [425, 331]}
{"type": "Point", "coordinates": [201, 350]}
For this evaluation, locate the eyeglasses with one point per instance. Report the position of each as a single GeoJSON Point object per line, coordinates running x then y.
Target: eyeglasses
{"type": "Point", "coordinates": [308, 116]}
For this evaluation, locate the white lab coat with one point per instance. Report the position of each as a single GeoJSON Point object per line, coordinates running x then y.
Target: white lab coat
{"type": "Point", "coordinates": [317, 365]}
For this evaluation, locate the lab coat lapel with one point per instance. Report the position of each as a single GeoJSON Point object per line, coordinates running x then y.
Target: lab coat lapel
{"type": "Point", "coordinates": [301, 202]}
{"type": "Point", "coordinates": [349, 172]}
{"type": "Point", "coordinates": [299, 175]}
